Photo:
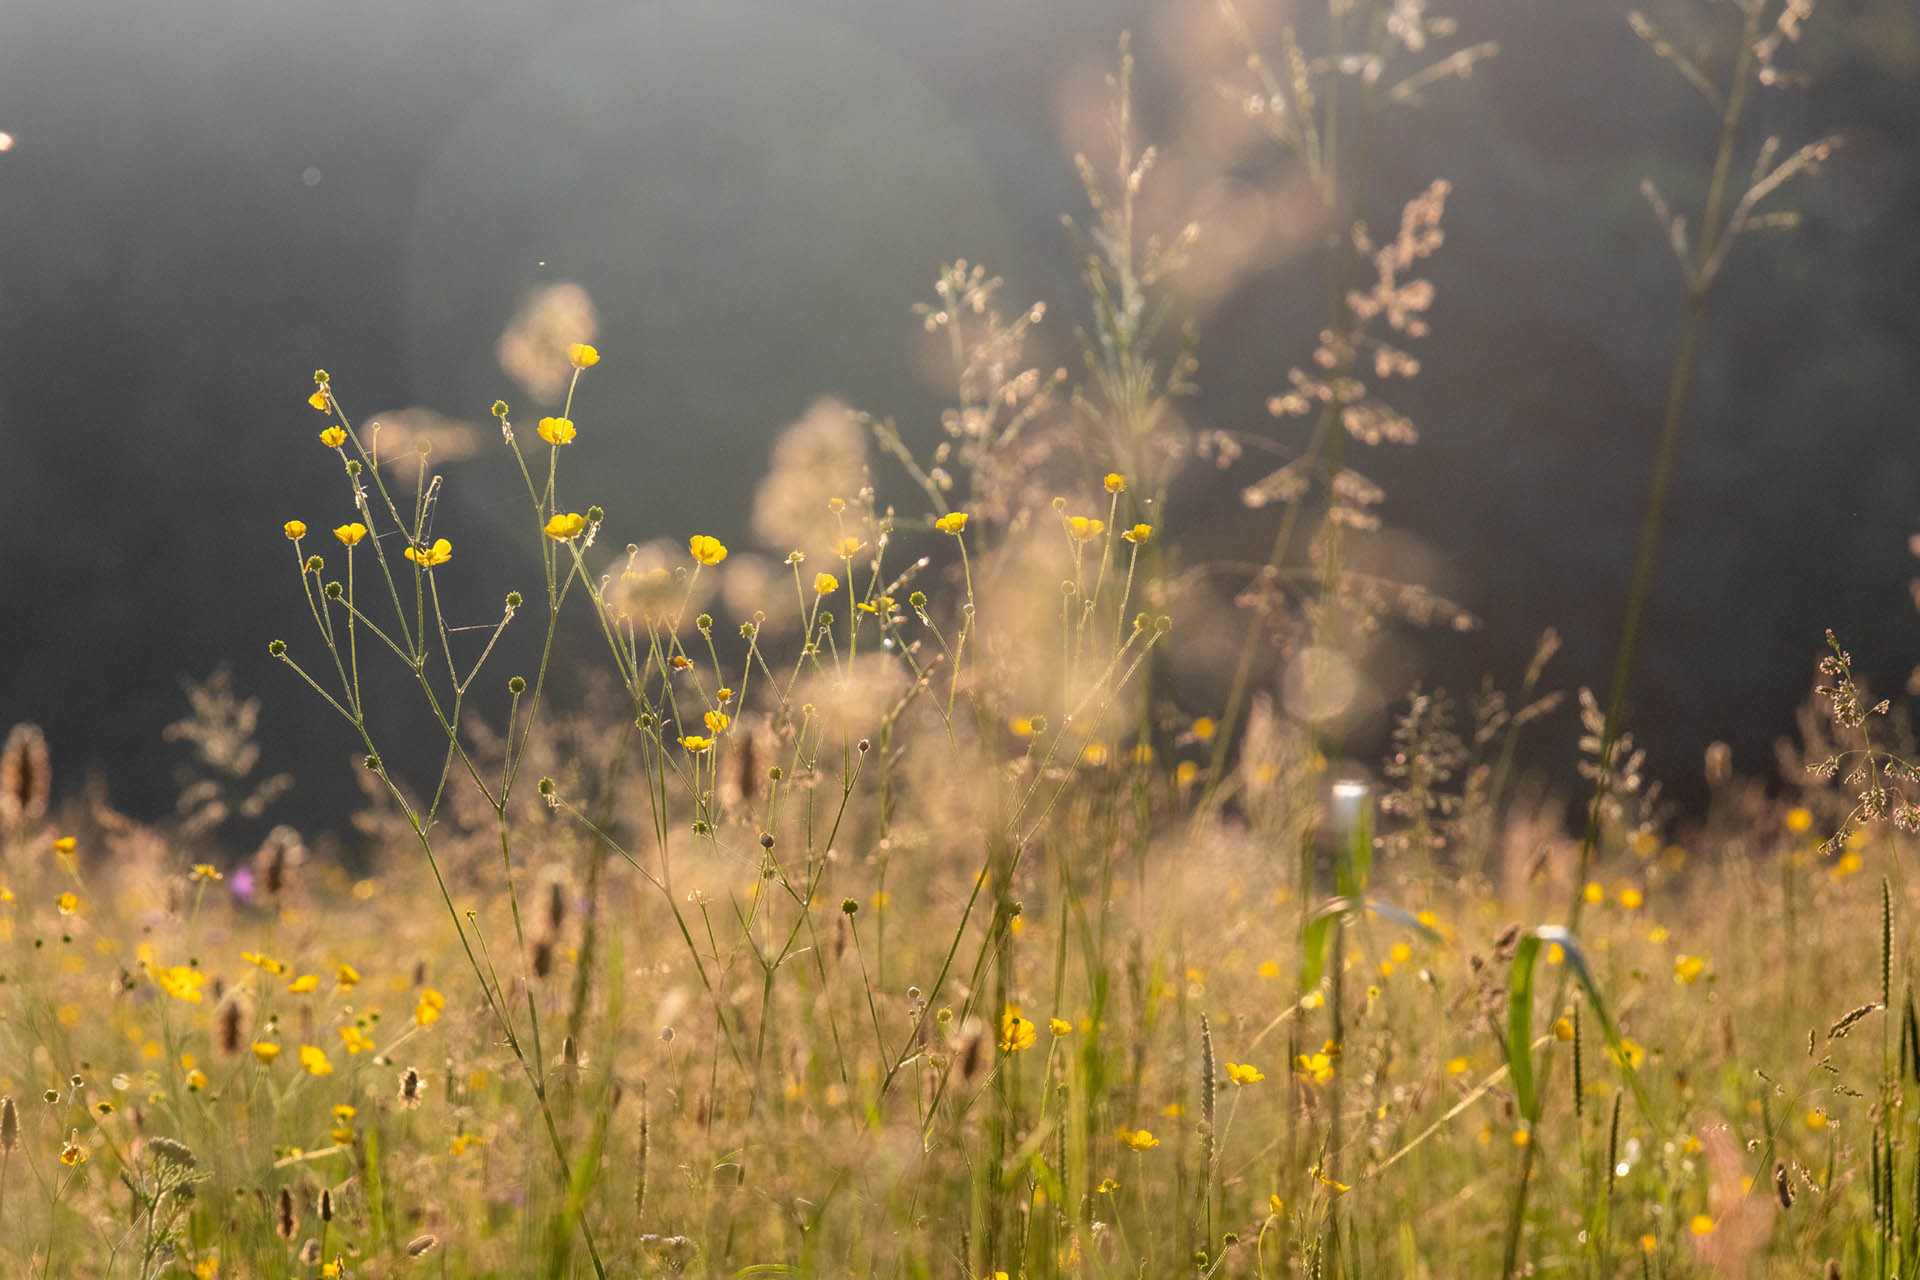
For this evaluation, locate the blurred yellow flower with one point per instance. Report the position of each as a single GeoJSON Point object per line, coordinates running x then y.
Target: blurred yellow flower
{"type": "Point", "coordinates": [1799, 820]}
{"type": "Point", "coordinates": [706, 550]}
{"type": "Point", "coordinates": [1631, 899]}
{"type": "Point", "coordinates": [1139, 1139]}
{"type": "Point", "coordinates": [953, 522]}
{"type": "Point", "coordinates": [196, 1080]}
{"type": "Point", "coordinates": [1701, 1225]}
{"type": "Point", "coordinates": [848, 547]}
{"type": "Point", "coordinates": [717, 721]}
{"type": "Point", "coordinates": [205, 871]}
{"type": "Point", "coordinates": [313, 1059]}
{"type": "Point", "coordinates": [1457, 1067]}
{"type": "Point", "coordinates": [565, 528]}
{"type": "Point", "coordinates": [350, 534]}
{"type": "Point", "coordinates": [427, 1011]}
{"type": "Point", "coordinates": [264, 962]}
{"type": "Point", "coordinates": [1115, 482]}
{"type": "Point", "coordinates": [73, 1153]}
{"type": "Point", "coordinates": [1016, 1032]}
{"type": "Point", "coordinates": [1687, 969]}
{"type": "Point", "coordinates": [346, 975]}
{"type": "Point", "coordinates": [427, 557]}
{"type": "Point", "coordinates": [1059, 1026]}
{"type": "Point", "coordinates": [333, 437]}
{"type": "Point", "coordinates": [266, 1051]}
{"type": "Point", "coordinates": [182, 982]}
{"type": "Point", "coordinates": [1244, 1073]}
{"type": "Point", "coordinates": [1085, 528]}
{"type": "Point", "coordinates": [355, 1040]}
{"type": "Point", "coordinates": [582, 356]}
{"type": "Point", "coordinates": [1138, 534]}
{"type": "Point", "coordinates": [68, 903]}
{"type": "Point", "coordinates": [825, 584]}
{"type": "Point", "coordinates": [295, 529]}
{"type": "Point", "coordinates": [556, 430]}
{"type": "Point", "coordinates": [1317, 1067]}
{"type": "Point", "coordinates": [304, 983]}
{"type": "Point", "coordinates": [1203, 729]}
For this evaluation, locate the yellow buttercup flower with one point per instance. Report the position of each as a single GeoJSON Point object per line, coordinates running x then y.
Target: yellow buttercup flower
{"type": "Point", "coordinates": [848, 547]}
{"type": "Point", "coordinates": [295, 529]}
{"type": "Point", "coordinates": [205, 871]}
{"type": "Point", "coordinates": [196, 1080]}
{"type": "Point", "coordinates": [266, 1051]}
{"type": "Point", "coordinates": [355, 1040]}
{"type": "Point", "coordinates": [825, 583]}
{"type": "Point", "coordinates": [1085, 528]}
{"type": "Point", "coordinates": [306, 982]}
{"type": "Point", "coordinates": [182, 982]}
{"type": "Point", "coordinates": [582, 356]}
{"type": "Point", "coordinates": [696, 744]}
{"type": "Point", "coordinates": [314, 1060]}
{"type": "Point", "coordinates": [319, 399]}
{"type": "Point", "coordinates": [1139, 1139]}
{"type": "Point", "coordinates": [333, 437]}
{"type": "Point", "coordinates": [556, 430]}
{"type": "Point", "coordinates": [73, 1153]}
{"type": "Point", "coordinates": [427, 1011]}
{"type": "Point", "coordinates": [1116, 483]}
{"type": "Point", "coordinates": [1138, 534]}
{"type": "Point", "coordinates": [350, 534]}
{"type": "Point", "coordinates": [706, 550]}
{"type": "Point", "coordinates": [1059, 1026]}
{"type": "Point", "coordinates": [953, 522]}
{"type": "Point", "coordinates": [427, 557]}
{"type": "Point", "coordinates": [346, 976]}
{"type": "Point", "coordinates": [1016, 1032]}
{"type": "Point", "coordinates": [565, 528]}
{"type": "Point", "coordinates": [1317, 1067]}
{"type": "Point", "coordinates": [68, 903]}
{"type": "Point", "coordinates": [717, 721]}
{"type": "Point", "coordinates": [1687, 969]}
{"type": "Point", "coordinates": [1244, 1073]}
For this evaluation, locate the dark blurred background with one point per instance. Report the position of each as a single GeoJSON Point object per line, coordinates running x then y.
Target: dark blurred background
{"type": "Point", "coordinates": [203, 203]}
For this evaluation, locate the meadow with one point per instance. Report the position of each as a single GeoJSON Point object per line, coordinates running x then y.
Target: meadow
{"type": "Point", "coordinates": [887, 911]}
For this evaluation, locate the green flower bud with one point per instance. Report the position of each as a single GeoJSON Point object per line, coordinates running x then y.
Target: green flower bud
{"type": "Point", "coordinates": [849, 906]}
{"type": "Point", "coordinates": [516, 685]}
{"type": "Point", "coordinates": [499, 408]}
{"type": "Point", "coordinates": [278, 648]}
{"type": "Point", "coordinates": [595, 515]}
